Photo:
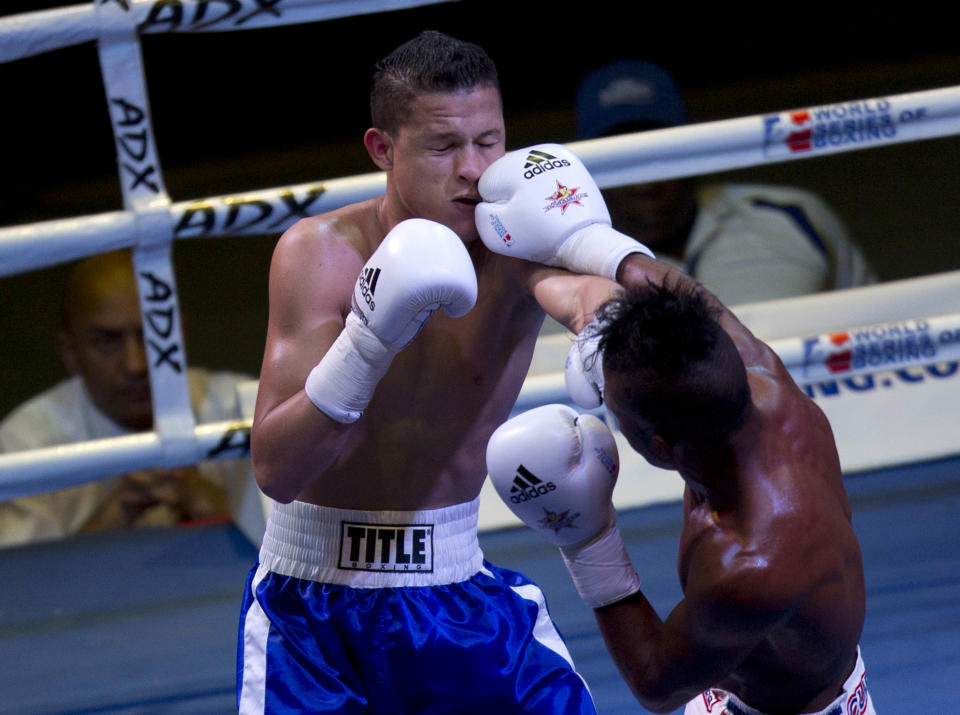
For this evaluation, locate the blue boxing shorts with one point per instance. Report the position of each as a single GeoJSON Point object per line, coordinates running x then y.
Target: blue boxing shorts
{"type": "Point", "coordinates": [352, 611]}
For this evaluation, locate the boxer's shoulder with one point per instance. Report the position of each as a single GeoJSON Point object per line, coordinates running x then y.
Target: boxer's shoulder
{"type": "Point", "coordinates": [338, 241]}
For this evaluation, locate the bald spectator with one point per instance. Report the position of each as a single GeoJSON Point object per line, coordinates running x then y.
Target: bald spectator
{"type": "Point", "coordinates": [108, 395]}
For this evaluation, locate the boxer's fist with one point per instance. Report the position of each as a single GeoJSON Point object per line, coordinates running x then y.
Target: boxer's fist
{"type": "Point", "coordinates": [556, 471]}
{"type": "Point", "coordinates": [541, 204]}
{"type": "Point", "coordinates": [419, 266]}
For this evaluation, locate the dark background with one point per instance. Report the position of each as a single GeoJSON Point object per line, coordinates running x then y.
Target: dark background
{"type": "Point", "coordinates": [245, 110]}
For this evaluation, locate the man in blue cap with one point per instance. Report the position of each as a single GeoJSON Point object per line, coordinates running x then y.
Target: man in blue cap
{"type": "Point", "coordinates": [744, 242]}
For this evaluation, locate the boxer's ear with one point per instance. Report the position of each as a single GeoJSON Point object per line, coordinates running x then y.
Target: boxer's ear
{"type": "Point", "coordinates": [379, 145]}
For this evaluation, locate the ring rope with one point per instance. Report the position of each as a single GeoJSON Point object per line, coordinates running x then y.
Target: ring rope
{"type": "Point", "coordinates": [811, 359]}
{"type": "Point", "coordinates": [32, 33]}
{"type": "Point", "coordinates": [711, 147]}
{"type": "Point", "coordinates": [37, 245]}
{"type": "Point", "coordinates": [868, 349]}
{"type": "Point", "coordinates": [690, 150]}
{"type": "Point", "coordinates": [41, 470]}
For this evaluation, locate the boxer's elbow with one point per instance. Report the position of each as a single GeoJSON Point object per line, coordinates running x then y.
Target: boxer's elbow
{"type": "Point", "coordinates": [290, 449]}
{"type": "Point", "coordinates": [284, 469]}
{"type": "Point", "coordinates": [270, 480]}
{"type": "Point", "coordinates": [657, 704]}
{"type": "Point", "coordinates": [659, 696]}
{"type": "Point", "coordinates": [657, 689]}
{"type": "Point", "coordinates": [271, 472]}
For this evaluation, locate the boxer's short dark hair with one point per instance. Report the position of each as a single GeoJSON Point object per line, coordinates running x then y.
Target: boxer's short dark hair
{"type": "Point", "coordinates": [430, 62]}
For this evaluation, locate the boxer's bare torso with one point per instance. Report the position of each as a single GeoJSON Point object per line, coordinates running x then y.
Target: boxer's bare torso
{"type": "Point", "coordinates": [420, 443]}
{"type": "Point", "coordinates": [776, 547]}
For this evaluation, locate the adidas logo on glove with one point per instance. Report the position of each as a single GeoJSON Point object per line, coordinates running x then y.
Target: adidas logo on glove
{"type": "Point", "coordinates": [368, 284]}
{"type": "Point", "coordinates": [527, 486]}
{"type": "Point", "coordinates": [539, 162]}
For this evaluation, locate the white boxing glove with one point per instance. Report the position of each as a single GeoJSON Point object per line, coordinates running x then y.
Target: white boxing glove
{"type": "Point", "coordinates": [419, 266]}
{"type": "Point", "coordinates": [583, 369]}
{"type": "Point", "coordinates": [541, 204]}
{"type": "Point", "coordinates": [556, 471]}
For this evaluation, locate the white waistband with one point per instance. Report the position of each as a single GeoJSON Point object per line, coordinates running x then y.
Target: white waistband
{"type": "Point", "coordinates": [373, 549]}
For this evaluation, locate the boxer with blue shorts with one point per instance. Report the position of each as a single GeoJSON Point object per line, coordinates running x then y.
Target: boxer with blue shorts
{"type": "Point", "coordinates": [396, 344]}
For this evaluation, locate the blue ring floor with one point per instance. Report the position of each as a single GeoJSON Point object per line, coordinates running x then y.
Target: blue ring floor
{"type": "Point", "coordinates": [146, 621]}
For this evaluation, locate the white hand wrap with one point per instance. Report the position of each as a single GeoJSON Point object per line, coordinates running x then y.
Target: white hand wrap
{"type": "Point", "coordinates": [598, 250]}
{"type": "Point", "coordinates": [601, 571]}
{"type": "Point", "coordinates": [583, 369]}
{"type": "Point", "coordinates": [343, 382]}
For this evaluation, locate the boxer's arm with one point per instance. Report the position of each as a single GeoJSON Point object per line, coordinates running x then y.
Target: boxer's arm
{"type": "Point", "coordinates": [292, 441]}
{"type": "Point", "coordinates": [731, 602]}
{"type": "Point", "coordinates": [568, 298]}
{"type": "Point", "coordinates": [556, 471]}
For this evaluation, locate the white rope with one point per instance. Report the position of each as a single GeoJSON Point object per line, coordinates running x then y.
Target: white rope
{"type": "Point", "coordinates": [33, 33]}
{"type": "Point", "coordinates": [871, 348]}
{"type": "Point", "coordinates": [41, 470]}
{"type": "Point", "coordinates": [31, 246]}
{"type": "Point", "coordinates": [804, 133]}
{"type": "Point", "coordinates": [841, 354]}
{"type": "Point", "coordinates": [615, 161]}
